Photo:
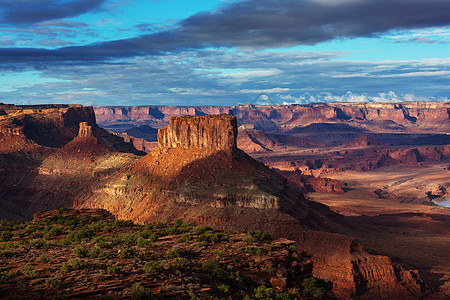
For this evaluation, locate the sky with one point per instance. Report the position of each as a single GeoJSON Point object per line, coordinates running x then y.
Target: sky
{"type": "Point", "coordinates": [223, 52]}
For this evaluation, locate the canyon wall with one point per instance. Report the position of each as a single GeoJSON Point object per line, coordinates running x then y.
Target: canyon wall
{"type": "Point", "coordinates": [418, 116]}
{"type": "Point", "coordinates": [217, 132]}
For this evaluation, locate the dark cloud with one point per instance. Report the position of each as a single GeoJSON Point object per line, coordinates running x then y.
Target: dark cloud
{"type": "Point", "coordinates": [34, 11]}
{"type": "Point", "coordinates": [274, 23]}
{"type": "Point", "coordinates": [254, 24]}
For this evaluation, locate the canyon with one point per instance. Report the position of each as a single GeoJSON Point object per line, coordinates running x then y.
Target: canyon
{"type": "Point", "coordinates": [53, 156]}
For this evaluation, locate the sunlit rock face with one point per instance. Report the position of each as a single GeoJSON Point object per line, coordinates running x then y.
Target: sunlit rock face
{"type": "Point", "coordinates": [213, 132]}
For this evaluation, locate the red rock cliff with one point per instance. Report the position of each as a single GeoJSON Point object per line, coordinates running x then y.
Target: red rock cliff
{"type": "Point", "coordinates": [214, 132]}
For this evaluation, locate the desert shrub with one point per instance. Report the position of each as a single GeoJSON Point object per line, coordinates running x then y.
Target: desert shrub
{"type": "Point", "coordinates": [123, 223]}
{"type": "Point", "coordinates": [220, 254]}
{"type": "Point", "coordinates": [202, 229]}
{"type": "Point", "coordinates": [81, 251]}
{"type": "Point", "coordinates": [4, 276]}
{"type": "Point", "coordinates": [86, 234]}
{"type": "Point", "coordinates": [186, 237]}
{"type": "Point", "coordinates": [6, 236]}
{"type": "Point", "coordinates": [73, 264]}
{"type": "Point", "coordinates": [262, 292]}
{"type": "Point", "coordinates": [100, 242]}
{"type": "Point", "coordinates": [153, 237]}
{"type": "Point", "coordinates": [180, 263]}
{"type": "Point", "coordinates": [54, 231]}
{"type": "Point", "coordinates": [258, 236]}
{"type": "Point", "coordinates": [292, 249]}
{"type": "Point", "coordinates": [255, 250]}
{"type": "Point", "coordinates": [7, 253]}
{"type": "Point", "coordinates": [171, 231]}
{"type": "Point", "coordinates": [44, 258]}
{"type": "Point", "coordinates": [31, 229]}
{"type": "Point", "coordinates": [177, 252]}
{"type": "Point", "coordinates": [152, 267]}
{"type": "Point", "coordinates": [28, 270]}
{"type": "Point", "coordinates": [143, 243]}
{"type": "Point", "coordinates": [220, 272]}
{"type": "Point", "coordinates": [174, 252]}
{"type": "Point", "coordinates": [210, 237]}
{"type": "Point", "coordinates": [114, 269]}
{"type": "Point", "coordinates": [127, 253]}
{"type": "Point", "coordinates": [53, 282]}
{"type": "Point", "coordinates": [223, 288]}
{"type": "Point", "coordinates": [37, 243]}
{"type": "Point", "coordinates": [159, 225]}
{"type": "Point", "coordinates": [315, 288]}
{"type": "Point", "coordinates": [140, 292]}
{"type": "Point", "coordinates": [96, 252]}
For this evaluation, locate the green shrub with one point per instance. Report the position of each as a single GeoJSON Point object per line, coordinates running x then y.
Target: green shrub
{"type": "Point", "coordinates": [159, 225]}
{"type": "Point", "coordinates": [174, 252]}
{"type": "Point", "coordinates": [123, 223]}
{"type": "Point", "coordinates": [219, 254]}
{"type": "Point", "coordinates": [114, 269]}
{"type": "Point", "coordinates": [202, 229]}
{"type": "Point", "coordinates": [4, 276]}
{"type": "Point", "coordinates": [5, 236]}
{"type": "Point", "coordinates": [82, 251]}
{"type": "Point", "coordinates": [315, 288]}
{"type": "Point", "coordinates": [127, 253]}
{"type": "Point", "coordinates": [140, 292]}
{"type": "Point", "coordinates": [37, 243]}
{"type": "Point", "coordinates": [28, 270]}
{"type": "Point", "coordinates": [73, 264]}
{"type": "Point", "coordinates": [262, 292]}
{"type": "Point", "coordinates": [53, 231]}
{"type": "Point", "coordinates": [186, 237]}
{"type": "Point", "coordinates": [219, 272]}
{"type": "Point", "coordinates": [210, 237]}
{"type": "Point", "coordinates": [143, 243]}
{"type": "Point", "coordinates": [258, 236]}
{"type": "Point", "coordinates": [152, 267]}
{"type": "Point", "coordinates": [223, 288]}
{"type": "Point", "coordinates": [53, 283]}
{"type": "Point", "coordinates": [255, 250]}
{"type": "Point", "coordinates": [180, 263]}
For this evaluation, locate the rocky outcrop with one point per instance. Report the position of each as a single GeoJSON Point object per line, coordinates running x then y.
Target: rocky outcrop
{"type": "Point", "coordinates": [84, 131]}
{"type": "Point", "coordinates": [216, 132]}
{"type": "Point", "coordinates": [309, 183]}
{"type": "Point", "coordinates": [361, 142]}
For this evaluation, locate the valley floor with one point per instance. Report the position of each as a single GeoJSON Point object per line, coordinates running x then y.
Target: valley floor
{"type": "Point", "coordinates": [396, 219]}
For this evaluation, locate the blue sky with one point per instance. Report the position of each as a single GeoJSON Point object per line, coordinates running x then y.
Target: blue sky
{"type": "Point", "coordinates": [212, 52]}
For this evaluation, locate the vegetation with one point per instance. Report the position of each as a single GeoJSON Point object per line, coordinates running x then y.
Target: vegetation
{"type": "Point", "coordinates": [66, 254]}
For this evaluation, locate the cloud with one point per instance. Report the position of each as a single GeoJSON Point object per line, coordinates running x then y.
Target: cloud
{"type": "Point", "coordinates": [249, 24]}
{"type": "Point", "coordinates": [175, 79]}
{"type": "Point", "coordinates": [35, 11]}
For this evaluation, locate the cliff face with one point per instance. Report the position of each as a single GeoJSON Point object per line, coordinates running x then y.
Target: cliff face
{"type": "Point", "coordinates": [416, 116]}
{"type": "Point", "coordinates": [216, 132]}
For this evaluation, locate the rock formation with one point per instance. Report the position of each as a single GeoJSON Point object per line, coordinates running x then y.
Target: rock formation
{"type": "Point", "coordinates": [35, 176]}
{"type": "Point", "coordinates": [417, 116]}
{"type": "Point", "coordinates": [199, 175]}
{"type": "Point", "coordinates": [217, 132]}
